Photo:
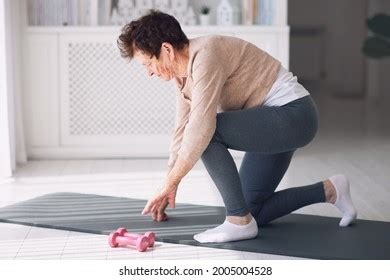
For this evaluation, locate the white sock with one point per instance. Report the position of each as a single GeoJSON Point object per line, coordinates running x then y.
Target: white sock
{"type": "Point", "coordinates": [343, 200]}
{"type": "Point", "coordinates": [228, 232]}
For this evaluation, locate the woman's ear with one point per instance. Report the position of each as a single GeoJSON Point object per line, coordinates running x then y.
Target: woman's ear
{"type": "Point", "coordinates": [169, 49]}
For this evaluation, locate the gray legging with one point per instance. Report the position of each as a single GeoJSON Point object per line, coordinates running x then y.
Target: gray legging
{"type": "Point", "coordinates": [269, 135]}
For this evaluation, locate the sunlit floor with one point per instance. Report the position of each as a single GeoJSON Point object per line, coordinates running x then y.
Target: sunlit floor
{"type": "Point", "coordinates": [354, 138]}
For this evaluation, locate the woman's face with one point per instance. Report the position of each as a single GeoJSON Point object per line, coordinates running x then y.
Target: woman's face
{"type": "Point", "coordinates": [163, 67]}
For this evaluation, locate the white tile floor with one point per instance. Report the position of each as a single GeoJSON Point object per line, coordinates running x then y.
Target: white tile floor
{"type": "Point", "coordinates": [353, 139]}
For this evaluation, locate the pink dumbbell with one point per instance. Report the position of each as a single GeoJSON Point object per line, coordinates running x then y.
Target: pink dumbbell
{"type": "Point", "coordinates": [140, 243]}
{"type": "Point", "coordinates": [151, 237]}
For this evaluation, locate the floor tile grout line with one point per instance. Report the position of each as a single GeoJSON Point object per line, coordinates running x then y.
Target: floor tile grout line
{"type": "Point", "coordinates": [21, 245]}
{"type": "Point", "coordinates": [66, 243]}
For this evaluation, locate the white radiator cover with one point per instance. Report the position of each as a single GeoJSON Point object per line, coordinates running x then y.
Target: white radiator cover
{"type": "Point", "coordinates": [83, 100]}
{"type": "Point", "coordinates": [108, 96]}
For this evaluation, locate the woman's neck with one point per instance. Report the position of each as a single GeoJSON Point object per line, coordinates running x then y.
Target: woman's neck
{"type": "Point", "coordinates": [182, 62]}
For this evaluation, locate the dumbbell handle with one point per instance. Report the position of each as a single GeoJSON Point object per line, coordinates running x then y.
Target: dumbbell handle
{"type": "Point", "coordinates": [125, 241]}
{"type": "Point", "coordinates": [141, 243]}
{"type": "Point", "coordinates": [149, 236]}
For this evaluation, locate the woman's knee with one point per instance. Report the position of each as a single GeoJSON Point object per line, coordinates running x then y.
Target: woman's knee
{"type": "Point", "coordinates": [254, 210]}
{"type": "Point", "coordinates": [261, 222]}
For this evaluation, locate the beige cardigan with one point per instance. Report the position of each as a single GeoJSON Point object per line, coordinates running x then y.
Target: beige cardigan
{"type": "Point", "coordinates": [224, 73]}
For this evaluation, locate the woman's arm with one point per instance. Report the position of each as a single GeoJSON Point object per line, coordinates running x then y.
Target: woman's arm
{"type": "Point", "coordinates": [157, 210]}
{"type": "Point", "coordinates": [209, 79]}
{"type": "Point", "coordinates": [178, 171]}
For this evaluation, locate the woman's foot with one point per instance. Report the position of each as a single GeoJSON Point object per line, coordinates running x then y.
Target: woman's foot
{"type": "Point", "coordinates": [337, 192]}
{"type": "Point", "coordinates": [233, 229]}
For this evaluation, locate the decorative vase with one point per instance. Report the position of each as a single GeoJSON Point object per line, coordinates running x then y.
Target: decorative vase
{"type": "Point", "coordinates": [204, 19]}
{"type": "Point", "coordinates": [225, 13]}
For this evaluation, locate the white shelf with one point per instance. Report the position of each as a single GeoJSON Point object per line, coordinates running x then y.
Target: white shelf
{"type": "Point", "coordinates": [186, 29]}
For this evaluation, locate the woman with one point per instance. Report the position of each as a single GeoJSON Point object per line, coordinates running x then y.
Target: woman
{"type": "Point", "coordinates": [232, 95]}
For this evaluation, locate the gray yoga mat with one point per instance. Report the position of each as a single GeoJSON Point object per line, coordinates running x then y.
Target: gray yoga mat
{"type": "Point", "coordinates": [292, 235]}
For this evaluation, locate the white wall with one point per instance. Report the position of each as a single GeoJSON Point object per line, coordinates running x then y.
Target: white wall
{"type": "Point", "coordinates": [344, 22]}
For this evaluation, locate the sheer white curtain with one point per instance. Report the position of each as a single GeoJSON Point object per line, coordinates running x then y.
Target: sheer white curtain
{"type": "Point", "coordinates": [5, 141]}
{"type": "Point", "coordinates": [18, 23]}
{"type": "Point", "coordinates": [12, 143]}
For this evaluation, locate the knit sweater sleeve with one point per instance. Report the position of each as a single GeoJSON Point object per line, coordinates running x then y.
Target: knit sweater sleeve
{"type": "Point", "coordinates": [181, 118]}
{"type": "Point", "coordinates": [208, 80]}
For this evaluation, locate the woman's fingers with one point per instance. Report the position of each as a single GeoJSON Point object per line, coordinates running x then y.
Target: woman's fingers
{"type": "Point", "coordinates": [171, 200]}
{"type": "Point", "coordinates": [152, 205]}
{"type": "Point", "coordinates": [158, 210]}
{"type": "Point", "coordinates": [159, 203]}
{"type": "Point", "coordinates": [159, 216]}
{"type": "Point", "coordinates": [161, 211]}
{"type": "Point", "coordinates": [147, 207]}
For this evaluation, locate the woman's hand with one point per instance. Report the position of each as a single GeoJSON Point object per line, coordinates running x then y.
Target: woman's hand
{"type": "Point", "coordinates": [167, 194]}
{"type": "Point", "coordinates": [159, 202]}
{"type": "Point", "coordinates": [159, 215]}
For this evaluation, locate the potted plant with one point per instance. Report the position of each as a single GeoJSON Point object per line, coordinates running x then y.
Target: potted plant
{"type": "Point", "coordinates": [378, 44]}
{"type": "Point", "coordinates": [377, 48]}
{"type": "Point", "coordinates": [204, 17]}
